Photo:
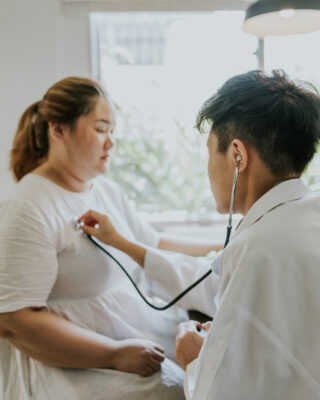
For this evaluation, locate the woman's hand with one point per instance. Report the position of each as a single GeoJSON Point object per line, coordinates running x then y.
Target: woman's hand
{"type": "Point", "coordinates": [99, 225]}
{"type": "Point", "coordinates": [189, 341]}
{"type": "Point", "coordinates": [139, 356]}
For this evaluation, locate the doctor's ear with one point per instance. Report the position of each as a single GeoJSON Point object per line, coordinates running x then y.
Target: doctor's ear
{"type": "Point", "coordinates": [239, 154]}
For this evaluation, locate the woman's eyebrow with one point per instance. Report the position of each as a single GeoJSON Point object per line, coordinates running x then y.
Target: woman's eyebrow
{"type": "Point", "coordinates": [103, 120]}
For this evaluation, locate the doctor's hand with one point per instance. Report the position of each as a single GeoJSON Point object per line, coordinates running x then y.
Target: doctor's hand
{"type": "Point", "coordinates": [189, 341]}
{"type": "Point", "coordinates": [138, 356]}
{"type": "Point", "coordinates": [99, 226]}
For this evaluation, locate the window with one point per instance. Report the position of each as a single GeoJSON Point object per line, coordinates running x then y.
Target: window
{"type": "Point", "coordinates": [159, 67]}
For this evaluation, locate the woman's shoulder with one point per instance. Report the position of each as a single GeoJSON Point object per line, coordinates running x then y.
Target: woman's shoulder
{"type": "Point", "coordinates": [31, 187]}
{"type": "Point", "coordinates": [31, 193]}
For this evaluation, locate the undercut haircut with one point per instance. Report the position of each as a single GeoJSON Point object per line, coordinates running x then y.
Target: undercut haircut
{"type": "Point", "coordinates": [280, 118]}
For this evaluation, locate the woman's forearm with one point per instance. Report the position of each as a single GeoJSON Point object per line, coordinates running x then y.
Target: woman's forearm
{"type": "Point", "coordinates": [57, 342]}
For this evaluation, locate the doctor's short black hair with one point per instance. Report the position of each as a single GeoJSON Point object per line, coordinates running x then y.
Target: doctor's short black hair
{"type": "Point", "coordinates": [278, 117]}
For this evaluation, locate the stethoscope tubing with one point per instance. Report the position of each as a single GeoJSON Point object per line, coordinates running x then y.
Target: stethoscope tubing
{"type": "Point", "coordinates": [196, 283]}
{"type": "Point", "coordinates": [159, 308]}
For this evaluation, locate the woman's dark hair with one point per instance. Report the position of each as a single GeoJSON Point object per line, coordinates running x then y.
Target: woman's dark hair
{"type": "Point", "coordinates": [278, 117]}
{"type": "Point", "coordinates": [64, 102]}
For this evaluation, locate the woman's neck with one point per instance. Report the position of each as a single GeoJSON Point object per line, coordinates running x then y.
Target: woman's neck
{"type": "Point", "coordinates": [62, 176]}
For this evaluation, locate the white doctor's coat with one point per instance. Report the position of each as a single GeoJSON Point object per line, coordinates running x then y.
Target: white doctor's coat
{"type": "Point", "coordinates": [264, 343]}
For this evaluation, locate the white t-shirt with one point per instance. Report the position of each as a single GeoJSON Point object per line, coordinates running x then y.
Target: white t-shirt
{"type": "Point", "coordinates": [44, 262]}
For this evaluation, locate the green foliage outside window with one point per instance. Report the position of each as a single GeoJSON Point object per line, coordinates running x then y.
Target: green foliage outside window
{"type": "Point", "coordinates": [157, 175]}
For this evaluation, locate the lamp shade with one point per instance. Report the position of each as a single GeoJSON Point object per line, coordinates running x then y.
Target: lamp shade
{"type": "Point", "coordinates": [282, 17]}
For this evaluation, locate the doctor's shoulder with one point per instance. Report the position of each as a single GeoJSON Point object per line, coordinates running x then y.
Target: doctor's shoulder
{"type": "Point", "coordinates": [276, 240]}
{"type": "Point", "coordinates": [251, 248]}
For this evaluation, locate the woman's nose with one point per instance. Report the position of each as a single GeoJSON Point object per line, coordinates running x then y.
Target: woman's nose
{"type": "Point", "coordinates": [109, 141]}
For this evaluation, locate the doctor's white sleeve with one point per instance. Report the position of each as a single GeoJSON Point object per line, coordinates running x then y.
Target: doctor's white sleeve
{"type": "Point", "coordinates": [168, 274]}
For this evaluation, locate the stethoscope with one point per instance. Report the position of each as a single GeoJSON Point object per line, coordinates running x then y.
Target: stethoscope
{"type": "Point", "coordinates": [187, 290]}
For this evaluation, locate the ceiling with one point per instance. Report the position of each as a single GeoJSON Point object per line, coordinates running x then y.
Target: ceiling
{"type": "Point", "coordinates": [157, 5]}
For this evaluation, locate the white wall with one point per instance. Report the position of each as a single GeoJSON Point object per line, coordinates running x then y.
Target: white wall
{"type": "Point", "coordinates": [38, 45]}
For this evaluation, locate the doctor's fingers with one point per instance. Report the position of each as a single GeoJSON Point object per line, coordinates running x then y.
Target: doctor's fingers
{"type": "Point", "coordinates": [99, 226]}
{"type": "Point", "coordinates": [206, 326]}
{"type": "Point", "coordinates": [189, 326]}
{"type": "Point", "coordinates": [91, 217]}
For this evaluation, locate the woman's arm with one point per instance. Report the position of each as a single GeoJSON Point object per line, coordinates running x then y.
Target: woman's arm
{"type": "Point", "coordinates": [187, 246]}
{"type": "Point", "coordinates": [55, 341]}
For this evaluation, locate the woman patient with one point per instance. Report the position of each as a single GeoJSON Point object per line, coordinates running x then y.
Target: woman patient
{"type": "Point", "coordinates": [72, 327]}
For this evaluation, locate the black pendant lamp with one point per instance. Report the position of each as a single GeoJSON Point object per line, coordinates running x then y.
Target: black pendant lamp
{"type": "Point", "coordinates": [282, 17]}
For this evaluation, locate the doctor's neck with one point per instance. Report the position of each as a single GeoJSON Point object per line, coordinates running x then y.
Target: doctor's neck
{"type": "Point", "coordinates": [255, 182]}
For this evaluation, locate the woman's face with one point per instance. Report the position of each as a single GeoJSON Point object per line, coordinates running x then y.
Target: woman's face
{"type": "Point", "coordinates": [88, 145]}
{"type": "Point", "coordinates": [220, 174]}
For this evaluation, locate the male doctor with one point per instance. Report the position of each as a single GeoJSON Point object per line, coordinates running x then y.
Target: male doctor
{"type": "Point", "coordinates": [264, 292]}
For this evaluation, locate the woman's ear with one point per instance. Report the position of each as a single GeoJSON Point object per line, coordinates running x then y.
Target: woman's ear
{"type": "Point", "coordinates": [56, 130]}
{"type": "Point", "coordinates": [239, 154]}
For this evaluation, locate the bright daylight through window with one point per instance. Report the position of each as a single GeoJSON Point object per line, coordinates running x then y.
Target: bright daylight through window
{"type": "Point", "coordinates": [298, 55]}
{"type": "Point", "coordinates": [159, 68]}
